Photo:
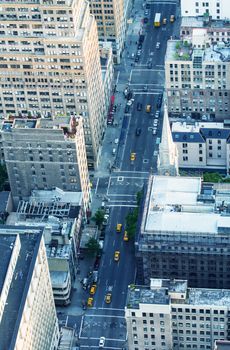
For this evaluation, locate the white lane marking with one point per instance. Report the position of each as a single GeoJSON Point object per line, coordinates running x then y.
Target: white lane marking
{"type": "Point", "coordinates": [117, 77]}
{"type": "Point", "coordinates": [97, 185]}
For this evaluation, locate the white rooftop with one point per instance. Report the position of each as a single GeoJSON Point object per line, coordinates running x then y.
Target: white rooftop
{"type": "Point", "coordinates": [56, 195]}
{"type": "Point", "coordinates": [184, 127]}
{"type": "Point", "coordinates": [173, 207]}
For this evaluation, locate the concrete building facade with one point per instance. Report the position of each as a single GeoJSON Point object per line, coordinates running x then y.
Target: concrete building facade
{"type": "Point", "coordinates": [170, 316]}
{"type": "Point", "coordinates": [217, 9]}
{"type": "Point", "coordinates": [50, 64]}
{"type": "Point", "coordinates": [45, 153]}
{"type": "Point", "coordinates": [202, 145]}
{"type": "Point", "coordinates": [198, 77]}
{"type": "Point", "coordinates": [184, 232]}
{"type": "Point", "coordinates": [28, 317]}
{"type": "Point", "coordinates": [111, 17]}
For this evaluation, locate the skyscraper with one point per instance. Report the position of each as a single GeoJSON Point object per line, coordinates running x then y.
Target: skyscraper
{"type": "Point", "coordinates": [28, 317]}
{"type": "Point", "coordinates": [111, 17]}
{"type": "Point", "coordinates": [50, 64]}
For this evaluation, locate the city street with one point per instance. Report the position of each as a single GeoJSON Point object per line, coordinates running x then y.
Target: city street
{"type": "Point", "coordinates": [119, 178]}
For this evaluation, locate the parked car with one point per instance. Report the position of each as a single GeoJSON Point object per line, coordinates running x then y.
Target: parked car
{"type": "Point", "coordinates": [138, 131]}
{"type": "Point", "coordinates": [127, 109]}
{"type": "Point", "coordinates": [139, 106]}
{"type": "Point", "coordinates": [149, 65]}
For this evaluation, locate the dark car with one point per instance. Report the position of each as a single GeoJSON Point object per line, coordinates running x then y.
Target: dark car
{"type": "Point", "coordinates": [138, 131]}
{"type": "Point", "coordinates": [127, 109]}
{"type": "Point", "coordinates": [139, 46]}
{"type": "Point", "coordinates": [129, 95]}
{"type": "Point", "coordinates": [141, 38]}
{"type": "Point", "coordinates": [139, 106]}
{"type": "Point", "coordinates": [159, 101]}
{"type": "Point", "coordinates": [137, 58]}
{"type": "Point", "coordinates": [97, 262]}
{"type": "Point", "coordinates": [147, 6]}
{"type": "Point", "coordinates": [146, 20]}
{"type": "Point", "coordinates": [150, 65]}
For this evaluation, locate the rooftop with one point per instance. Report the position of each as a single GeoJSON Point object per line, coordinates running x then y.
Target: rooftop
{"type": "Point", "coordinates": [20, 283]}
{"type": "Point", "coordinates": [179, 204]}
{"type": "Point", "coordinates": [199, 131]}
{"type": "Point", "coordinates": [198, 22]}
{"type": "Point", "coordinates": [178, 50]}
{"type": "Point", "coordinates": [163, 292]}
{"type": "Point", "coordinates": [65, 124]}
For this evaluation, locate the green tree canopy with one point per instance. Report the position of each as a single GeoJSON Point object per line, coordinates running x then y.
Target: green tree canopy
{"type": "Point", "coordinates": [92, 246]}
{"type": "Point", "coordinates": [3, 176]}
{"type": "Point", "coordinates": [99, 217]}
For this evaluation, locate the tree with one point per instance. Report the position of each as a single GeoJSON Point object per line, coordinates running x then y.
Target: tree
{"type": "Point", "coordinates": [92, 246]}
{"type": "Point", "coordinates": [99, 217]}
{"type": "Point", "coordinates": [3, 176]}
{"type": "Point", "coordinates": [139, 197]}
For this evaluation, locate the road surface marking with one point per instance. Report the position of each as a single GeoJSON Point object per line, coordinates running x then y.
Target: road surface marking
{"type": "Point", "coordinates": [113, 243]}
{"type": "Point", "coordinates": [108, 187]}
{"type": "Point", "coordinates": [97, 185]}
{"type": "Point", "coordinates": [123, 205]}
{"type": "Point", "coordinates": [119, 194]}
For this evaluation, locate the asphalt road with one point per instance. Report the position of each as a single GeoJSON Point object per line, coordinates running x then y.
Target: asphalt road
{"type": "Point", "coordinates": [120, 188]}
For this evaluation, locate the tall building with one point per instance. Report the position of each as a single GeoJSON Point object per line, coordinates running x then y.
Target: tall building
{"type": "Point", "coordinates": [168, 155]}
{"type": "Point", "coordinates": [45, 153]}
{"type": "Point", "coordinates": [111, 17]}
{"type": "Point", "coordinates": [50, 64]}
{"type": "Point", "coordinates": [170, 316]}
{"type": "Point", "coordinates": [60, 215]}
{"type": "Point", "coordinates": [28, 317]}
{"type": "Point", "coordinates": [184, 232]}
{"type": "Point", "coordinates": [217, 9]}
{"type": "Point", "coordinates": [198, 77]}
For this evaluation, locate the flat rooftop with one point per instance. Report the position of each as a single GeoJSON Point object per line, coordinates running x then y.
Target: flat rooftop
{"type": "Point", "coordinates": [18, 290]}
{"type": "Point", "coordinates": [198, 22]}
{"type": "Point", "coordinates": [58, 278]}
{"type": "Point", "coordinates": [172, 206]}
{"type": "Point", "coordinates": [142, 295]}
{"type": "Point", "coordinates": [164, 294]}
{"type": "Point", "coordinates": [178, 51]}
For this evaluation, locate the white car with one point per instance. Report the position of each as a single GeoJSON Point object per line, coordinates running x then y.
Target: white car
{"type": "Point", "coordinates": [116, 141]}
{"type": "Point", "coordinates": [101, 342]}
{"type": "Point", "coordinates": [129, 103]}
{"type": "Point", "coordinates": [155, 122]}
{"type": "Point", "coordinates": [157, 45]}
{"type": "Point", "coordinates": [154, 131]}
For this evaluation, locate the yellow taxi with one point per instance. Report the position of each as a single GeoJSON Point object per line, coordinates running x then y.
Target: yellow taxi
{"type": "Point", "coordinates": [108, 298]}
{"type": "Point", "coordinates": [90, 302]}
{"type": "Point", "coordinates": [117, 255]}
{"type": "Point", "coordinates": [119, 227]}
{"type": "Point", "coordinates": [172, 18]}
{"type": "Point", "coordinates": [93, 289]}
{"type": "Point", "coordinates": [148, 108]}
{"type": "Point", "coordinates": [132, 156]}
{"type": "Point", "coordinates": [164, 21]}
{"type": "Point", "coordinates": [126, 237]}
